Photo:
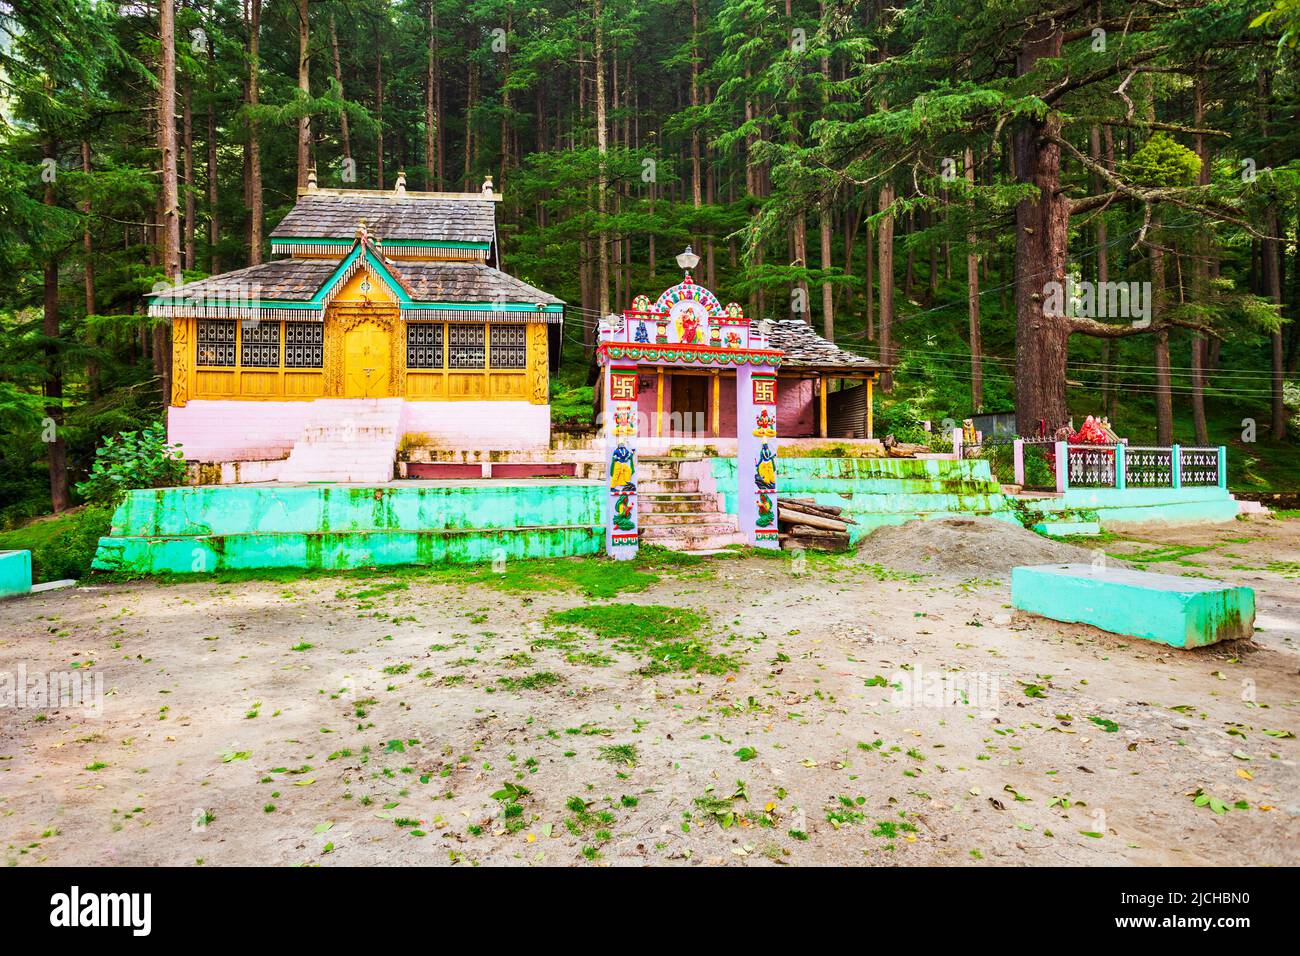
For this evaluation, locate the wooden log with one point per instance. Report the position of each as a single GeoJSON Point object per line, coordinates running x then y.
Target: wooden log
{"type": "Point", "coordinates": [807, 507]}
{"type": "Point", "coordinates": [816, 521]}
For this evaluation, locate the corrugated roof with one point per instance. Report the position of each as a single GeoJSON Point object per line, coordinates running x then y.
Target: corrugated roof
{"type": "Point", "coordinates": [805, 349]}
{"type": "Point", "coordinates": [391, 218]}
{"type": "Point", "coordinates": [298, 280]}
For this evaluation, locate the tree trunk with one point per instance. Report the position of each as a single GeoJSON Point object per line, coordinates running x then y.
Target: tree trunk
{"type": "Point", "coordinates": [1201, 269]}
{"type": "Point", "coordinates": [88, 250]}
{"type": "Point", "coordinates": [254, 147]}
{"type": "Point", "coordinates": [432, 121]}
{"type": "Point", "coordinates": [602, 182]}
{"type": "Point", "coordinates": [338, 78]}
{"type": "Point", "coordinates": [973, 302]}
{"type": "Point", "coordinates": [885, 246]}
{"type": "Point", "coordinates": [379, 112]}
{"type": "Point", "coordinates": [1042, 224]}
{"type": "Point", "coordinates": [1159, 297]}
{"type": "Point", "coordinates": [304, 85]}
{"type": "Point", "coordinates": [828, 290]}
{"type": "Point", "coordinates": [214, 214]}
{"type": "Point", "coordinates": [187, 159]}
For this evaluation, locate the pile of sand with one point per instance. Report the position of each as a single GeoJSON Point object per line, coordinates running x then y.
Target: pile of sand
{"type": "Point", "coordinates": [975, 547]}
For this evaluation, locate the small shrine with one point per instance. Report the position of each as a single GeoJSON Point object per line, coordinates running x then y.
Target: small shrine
{"type": "Point", "coordinates": [685, 368]}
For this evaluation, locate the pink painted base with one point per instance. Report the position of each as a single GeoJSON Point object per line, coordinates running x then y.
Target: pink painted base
{"type": "Point", "coordinates": [260, 431]}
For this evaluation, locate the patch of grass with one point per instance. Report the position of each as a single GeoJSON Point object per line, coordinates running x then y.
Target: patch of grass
{"type": "Point", "coordinates": [622, 754]}
{"type": "Point", "coordinates": [536, 681]}
{"type": "Point", "coordinates": [671, 638]}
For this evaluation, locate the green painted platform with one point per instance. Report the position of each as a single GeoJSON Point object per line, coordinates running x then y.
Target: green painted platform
{"type": "Point", "coordinates": [1181, 612]}
{"type": "Point", "coordinates": [875, 492]}
{"type": "Point", "coordinates": [212, 527]}
{"type": "Point", "coordinates": [15, 573]}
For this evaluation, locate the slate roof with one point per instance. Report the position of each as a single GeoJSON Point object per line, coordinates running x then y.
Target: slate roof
{"type": "Point", "coordinates": [297, 280]}
{"type": "Point", "coordinates": [468, 282]}
{"type": "Point", "coordinates": [284, 280]}
{"type": "Point", "coordinates": [391, 218]}
{"type": "Point", "coordinates": [805, 349]}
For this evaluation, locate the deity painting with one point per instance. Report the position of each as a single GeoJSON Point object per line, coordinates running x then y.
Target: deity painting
{"type": "Point", "coordinates": [765, 425]}
{"type": "Point", "coordinates": [642, 334]}
{"type": "Point", "coordinates": [766, 512]}
{"type": "Point", "coordinates": [733, 339]}
{"type": "Point", "coordinates": [624, 420]}
{"type": "Point", "coordinates": [765, 472]}
{"type": "Point", "coordinates": [688, 327]}
{"type": "Point", "coordinates": [623, 513]}
{"type": "Point", "coordinates": [620, 469]}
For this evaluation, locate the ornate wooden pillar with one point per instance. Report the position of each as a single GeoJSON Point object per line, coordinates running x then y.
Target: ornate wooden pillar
{"type": "Point", "coordinates": [756, 455]}
{"type": "Point", "coordinates": [621, 533]}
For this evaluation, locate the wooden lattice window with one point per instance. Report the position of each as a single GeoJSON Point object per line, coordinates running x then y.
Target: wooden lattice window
{"type": "Point", "coordinates": [259, 345]}
{"type": "Point", "coordinates": [509, 346]}
{"type": "Point", "coordinates": [215, 342]}
{"type": "Point", "coordinates": [304, 344]}
{"type": "Point", "coordinates": [424, 344]}
{"type": "Point", "coordinates": [465, 346]}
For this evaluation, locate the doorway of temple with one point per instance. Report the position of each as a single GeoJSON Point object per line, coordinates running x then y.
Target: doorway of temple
{"type": "Point", "coordinates": [367, 355]}
{"type": "Point", "coordinates": [690, 405]}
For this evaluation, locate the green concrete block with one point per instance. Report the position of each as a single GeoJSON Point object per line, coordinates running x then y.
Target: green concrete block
{"type": "Point", "coordinates": [336, 551]}
{"type": "Point", "coordinates": [1181, 612]}
{"type": "Point", "coordinates": [1061, 528]}
{"type": "Point", "coordinates": [15, 573]}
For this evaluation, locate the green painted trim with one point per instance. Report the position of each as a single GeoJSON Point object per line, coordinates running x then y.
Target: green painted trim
{"type": "Point", "coordinates": [481, 307]}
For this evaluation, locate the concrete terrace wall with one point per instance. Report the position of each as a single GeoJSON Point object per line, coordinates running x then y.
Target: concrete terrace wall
{"type": "Point", "coordinates": [881, 491]}
{"type": "Point", "coordinates": [220, 431]}
{"type": "Point", "coordinates": [1129, 506]}
{"type": "Point", "coordinates": [210, 528]}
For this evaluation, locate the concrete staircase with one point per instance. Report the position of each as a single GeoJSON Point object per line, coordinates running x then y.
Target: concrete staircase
{"type": "Point", "coordinates": [677, 513]}
{"type": "Point", "coordinates": [347, 440]}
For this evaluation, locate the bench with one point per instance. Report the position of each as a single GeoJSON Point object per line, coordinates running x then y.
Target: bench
{"type": "Point", "coordinates": [1178, 611]}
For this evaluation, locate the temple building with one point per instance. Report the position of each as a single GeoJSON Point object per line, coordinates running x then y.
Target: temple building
{"type": "Point", "coordinates": [380, 314]}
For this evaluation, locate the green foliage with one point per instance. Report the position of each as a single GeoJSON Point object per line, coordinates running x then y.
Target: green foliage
{"type": "Point", "coordinates": [62, 546]}
{"type": "Point", "coordinates": [140, 459]}
{"type": "Point", "coordinates": [1163, 162]}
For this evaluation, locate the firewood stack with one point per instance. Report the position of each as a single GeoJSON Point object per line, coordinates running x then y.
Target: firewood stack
{"type": "Point", "coordinates": [805, 524]}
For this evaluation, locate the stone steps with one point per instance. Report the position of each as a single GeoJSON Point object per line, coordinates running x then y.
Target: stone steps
{"type": "Point", "coordinates": [346, 441]}
{"type": "Point", "coordinates": [667, 486]}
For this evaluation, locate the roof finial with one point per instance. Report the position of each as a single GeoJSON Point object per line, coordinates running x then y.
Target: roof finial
{"type": "Point", "coordinates": [362, 234]}
{"type": "Point", "coordinates": [311, 179]}
{"type": "Point", "coordinates": [487, 185]}
{"type": "Point", "coordinates": [400, 186]}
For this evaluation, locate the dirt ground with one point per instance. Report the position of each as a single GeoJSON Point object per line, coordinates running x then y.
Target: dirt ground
{"type": "Point", "coordinates": [417, 718]}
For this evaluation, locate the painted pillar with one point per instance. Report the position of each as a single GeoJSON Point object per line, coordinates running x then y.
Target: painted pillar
{"type": "Point", "coordinates": [1018, 460]}
{"type": "Point", "coordinates": [1223, 466]}
{"type": "Point", "coordinates": [1121, 468]}
{"type": "Point", "coordinates": [620, 454]}
{"type": "Point", "coordinates": [871, 417]}
{"type": "Point", "coordinates": [1175, 466]}
{"type": "Point", "coordinates": [1062, 466]}
{"type": "Point", "coordinates": [756, 455]}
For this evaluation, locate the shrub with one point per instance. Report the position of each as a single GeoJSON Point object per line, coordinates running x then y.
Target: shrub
{"type": "Point", "coordinates": [133, 459]}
